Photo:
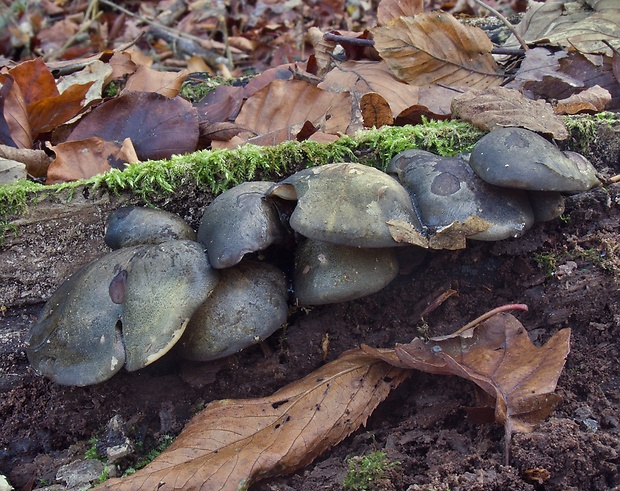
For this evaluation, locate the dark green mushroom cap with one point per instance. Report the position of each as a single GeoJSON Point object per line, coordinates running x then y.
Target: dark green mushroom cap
{"type": "Point", "coordinates": [127, 308]}
{"type": "Point", "coordinates": [239, 221]}
{"type": "Point", "coordinates": [166, 283]}
{"type": "Point", "coordinates": [331, 273]}
{"type": "Point", "coordinates": [446, 190]}
{"type": "Point", "coordinates": [247, 306]}
{"type": "Point", "coordinates": [521, 159]}
{"type": "Point", "coordinates": [77, 339]}
{"type": "Point", "coordinates": [348, 204]}
{"type": "Point", "coordinates": [133, 225]}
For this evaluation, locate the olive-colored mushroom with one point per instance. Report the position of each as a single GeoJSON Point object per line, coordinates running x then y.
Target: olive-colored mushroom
{"type": "Point", "coordinates": [133, 225]}
{"type": "Point", "coordinates": [239, 221]}
{"type": "Point", "coordinates": [349, 204]}
{"type": "Point", "coordinates": [247, 306]}
{"type": "Point", "coordinates": [546, 205]}
{"type": "Point", "coordinates": [330, 273]}
{"type": "Point", "coordinates": [166, 284]}
{"type": "Point", "coordinates": [77, 339]}
{"type": "Point", "coordinates": [521, 159]}
{"type": "Point", "coordinates": [128, 307]}
{"type": "Point", "coordinates": [446, 190]}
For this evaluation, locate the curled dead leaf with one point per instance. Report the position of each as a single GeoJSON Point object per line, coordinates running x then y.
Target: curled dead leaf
{"type": "Point", "coordinates": [593, 99]}
{"type": "Point", "coordinates": [86, 158]}
{"type": "Point", "coordinates": [498, 356]}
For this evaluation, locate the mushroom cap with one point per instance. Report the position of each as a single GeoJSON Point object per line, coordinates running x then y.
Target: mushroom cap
{"type": "Point", "coordinates": [166, 283]}
{"type": "Point", "coordinates": [239, 221]}
{"type": "Point", "coordinates": [521, 159]}
{"type": "Point", "coordinates": [126, 308]}
{"type": "Point", "coordinates": [329, 273]}
{"type": "Point", "coordinates": [347, 204]}
{"type": "Point", "coordinates": [77, 339]}
{"type": "Point", "coordinates": [133, 225]}
{"type": "Point", "coordinates": [446, 190]}
{"type": "Point", "coordinates": [247, 306]}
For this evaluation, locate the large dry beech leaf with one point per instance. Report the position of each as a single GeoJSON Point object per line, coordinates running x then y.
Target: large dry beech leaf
{"type": "Point", "coordinates": [518, 378]}
{"type": "Point", "coordinates": [232, 443]}
{"type": "Point", "coordinates": [435, 48]}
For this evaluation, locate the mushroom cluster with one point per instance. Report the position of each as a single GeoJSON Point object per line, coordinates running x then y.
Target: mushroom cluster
{"type": "Point", "coordinates": [326, 234]}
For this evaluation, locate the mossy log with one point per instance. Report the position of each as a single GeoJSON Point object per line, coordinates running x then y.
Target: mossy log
{"type": "Point", "coordinates": [48, 232]}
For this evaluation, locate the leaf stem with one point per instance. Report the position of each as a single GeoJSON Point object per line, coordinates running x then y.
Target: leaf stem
{"type": "Point", "coordinates": [491, 313]}
{"type": "Point", "coordinates": [506, 22]}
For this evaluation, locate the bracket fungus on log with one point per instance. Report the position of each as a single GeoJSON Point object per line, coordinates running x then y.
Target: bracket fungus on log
{"type": "Point", "coordinates": [132, 225]}
{"type": "Point", "coordinates": [239, 221]}
{"type": "Point", "coordinates": [248, 305]}
{"type": "Point", "coordinates": [128, 307]}
{"type": "Point", "coordinates": [521, 159]}
{"type": "Point", "coordinates": [348, 204]}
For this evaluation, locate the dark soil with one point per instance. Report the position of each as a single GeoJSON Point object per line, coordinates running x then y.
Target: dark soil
{"type": "Point", "coordinates": [566, 271]}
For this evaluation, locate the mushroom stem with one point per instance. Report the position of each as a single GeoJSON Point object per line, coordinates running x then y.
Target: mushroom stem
{"type": "Point", "coordinates": [491, 313]}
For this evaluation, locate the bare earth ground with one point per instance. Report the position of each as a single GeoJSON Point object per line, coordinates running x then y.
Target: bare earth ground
{"type": "Point", "coordinates": [566, 271]}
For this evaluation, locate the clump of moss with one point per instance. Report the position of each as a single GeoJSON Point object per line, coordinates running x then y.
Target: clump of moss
{"type": "Point", "coordinates": [366, 472]}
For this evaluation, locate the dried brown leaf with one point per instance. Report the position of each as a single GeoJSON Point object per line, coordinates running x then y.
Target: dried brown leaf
{"type": "Point", "coordinates": [49, 113]}
{"type": "Point", "coordinates": [35, 81]}
{"type": "Point", "coordinates": [560, 76]}
{"type": "Point", "coordinates": [435, 48]}
{"type": "Point", "coordinates": [376, 111]}
{"type": "Point", "coordinates": [389, 10]}
{"type": "Point", "coordinates": [14, 125]}
{"type": "Point", "coordinates": [232, 443]}
{"type": "Point", "coordinates": [498, 107]}
{"type": "Point", "coordinates": [590, 28]}
{"type": "Point", "coordinates": [284, 103]}
{"type": "Point", "coordinates": [371, 76]}
{"type": "Point", "coordinates": [86, 158]}
{"type": "Point", "coordinates": [593, 99]}
{"type": "Point", "coordinates": [498, 356]}
{"type": "Point", "coordinates": [146, 79]}
{"type": "Point", "coordinates": [158, 126]}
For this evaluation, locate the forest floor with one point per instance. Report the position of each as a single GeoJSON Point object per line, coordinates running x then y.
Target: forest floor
{"type": "Point", "coordinates": [567, 271]}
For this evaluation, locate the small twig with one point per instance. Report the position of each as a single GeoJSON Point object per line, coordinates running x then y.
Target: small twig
{"type": "Point", "coordinates": [506, 22]}
{"type": "Point", "coordinates": [337, 38]}
{"type": "Point", "coordinates": [83, 28]}
{"type": "Point", "coordinates": [491, 313]}
{"type": "Point", "coordinates": [615, 178]}
{"type": "Point", "coordinates": [328, 36]}
{"type": "Point", "coordinates": [154, 23]}
{"type": "Point", "coordinates": [507, 51]}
